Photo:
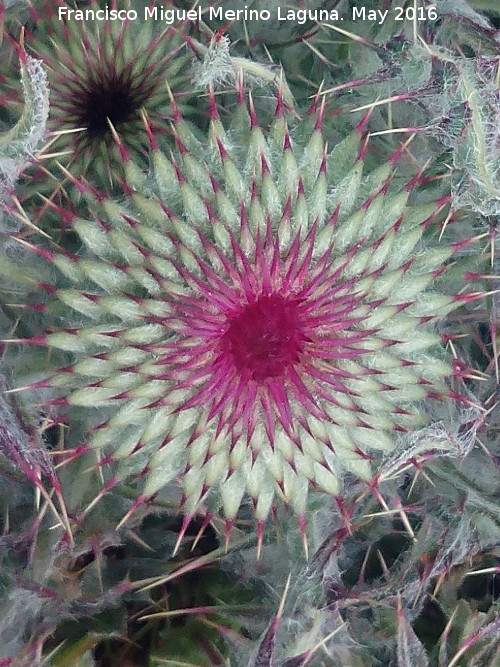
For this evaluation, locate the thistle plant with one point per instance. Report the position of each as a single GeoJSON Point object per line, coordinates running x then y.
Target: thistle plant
{"type": "Point", "coordinates": [276, 315]}
{"type": "Point", "coordinates": [244, 322]}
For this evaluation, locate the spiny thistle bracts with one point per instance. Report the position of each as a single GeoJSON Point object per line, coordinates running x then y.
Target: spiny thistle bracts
{"type": "Point", "coordinates": [255, 318]}
{"type": "Point", "coordinates": [102, 73]}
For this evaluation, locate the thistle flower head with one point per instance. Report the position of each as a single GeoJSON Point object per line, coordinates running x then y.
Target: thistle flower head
{"type": "Point", "coordinates": [255, 319]}
{"type": "Point", "coordinates": [102, 72]}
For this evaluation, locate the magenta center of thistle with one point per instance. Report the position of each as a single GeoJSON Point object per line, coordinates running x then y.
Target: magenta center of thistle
{"type": "Point", "coordinates": [265, 337]}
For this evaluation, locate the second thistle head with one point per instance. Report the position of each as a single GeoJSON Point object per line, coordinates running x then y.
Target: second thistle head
{"type": "Point", "coordinates": [104, 66]}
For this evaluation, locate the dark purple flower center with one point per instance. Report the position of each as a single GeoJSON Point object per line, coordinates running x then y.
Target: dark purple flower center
{"type": "Point", "coordinates": [265, 337]}
{"type": "Point", "coordinates": [108, 96]}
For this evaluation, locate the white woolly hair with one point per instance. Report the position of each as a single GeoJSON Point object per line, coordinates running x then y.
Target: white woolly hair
{"type": "Point", "coordinates": [19, 145]}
